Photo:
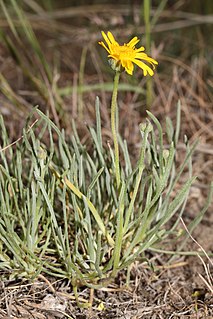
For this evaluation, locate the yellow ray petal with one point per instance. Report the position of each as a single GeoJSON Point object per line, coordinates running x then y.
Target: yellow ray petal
{"type": "Point", "coordinates": [140, 49]}
{"type": "Point", "coordinates": [103, 45]}
{"type": "Point", "coordinates": [105, 38]}
{"type": "Point", "coordinates": [130, 67]}
{"type": "Point", "coordinates": [144, 56]}
{"type": "Point", "coordinates": [111, 38]}
{"type": "Point", "coordinates": [144, 67]}
{"type": "Point", "coordinates": [133, 42]}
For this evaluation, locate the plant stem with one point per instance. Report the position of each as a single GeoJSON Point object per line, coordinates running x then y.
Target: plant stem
{"type": "Point", "coordinates": [149, 83]}
{"type": "Point", "coordinates": [114, 126]}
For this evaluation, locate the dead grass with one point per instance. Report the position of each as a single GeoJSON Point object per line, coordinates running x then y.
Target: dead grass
{"type": "Point", "coordinates": [169, 292]}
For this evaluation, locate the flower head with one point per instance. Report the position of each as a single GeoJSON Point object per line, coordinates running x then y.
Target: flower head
{"type": "Point", "coordinates": [125, 55]}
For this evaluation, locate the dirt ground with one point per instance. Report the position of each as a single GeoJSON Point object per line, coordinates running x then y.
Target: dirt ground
{"type": "Point", "coordinates": [169, 292]}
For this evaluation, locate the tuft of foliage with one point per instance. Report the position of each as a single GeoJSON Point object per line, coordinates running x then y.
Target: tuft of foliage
{"type": "Point", "coordinates": [60, 210]}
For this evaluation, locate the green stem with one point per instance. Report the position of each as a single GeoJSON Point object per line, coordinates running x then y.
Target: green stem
{"type": "Point", "coordinates": [114, 126]}
{"type": "Point", "coordinates": [149, 83]}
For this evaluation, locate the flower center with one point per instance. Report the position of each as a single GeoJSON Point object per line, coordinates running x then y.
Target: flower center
{"type": "Point", "coordinates": [124, 52]}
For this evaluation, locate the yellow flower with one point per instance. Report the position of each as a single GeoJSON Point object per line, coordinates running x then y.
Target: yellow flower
{"type": "Point", "coordinates": [125, 55]}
